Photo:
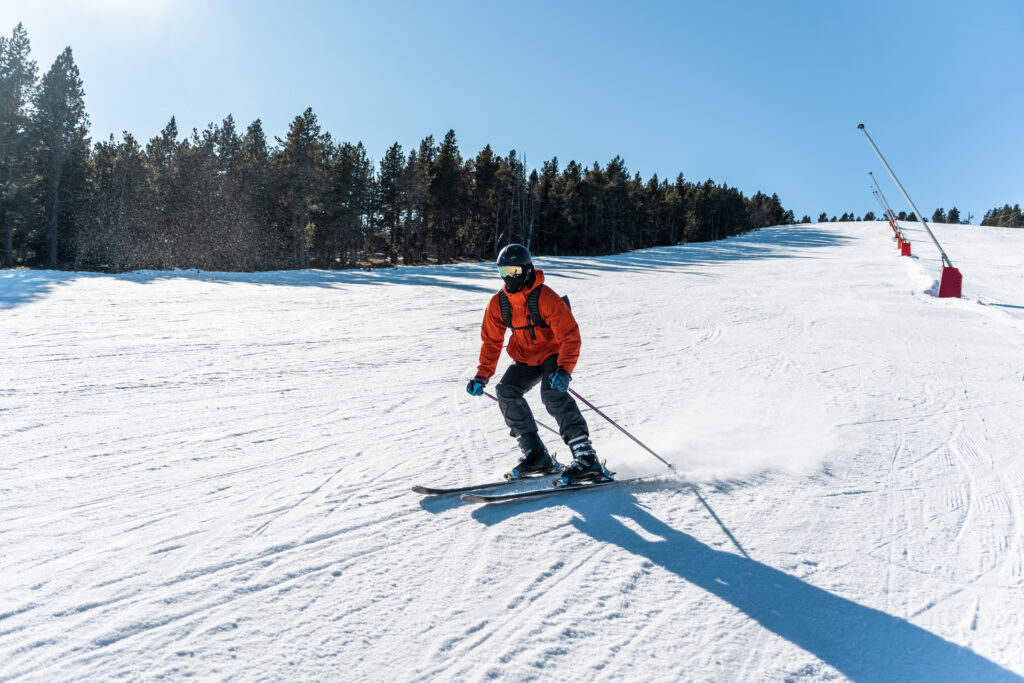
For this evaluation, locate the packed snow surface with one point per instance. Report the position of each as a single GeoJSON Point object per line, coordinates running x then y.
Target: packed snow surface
{"type": "Point", "coordinates": [208, 474]}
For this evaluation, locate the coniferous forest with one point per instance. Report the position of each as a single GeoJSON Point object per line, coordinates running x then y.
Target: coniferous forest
{"type": "Point", "coordinates": [228, 198]}
{"type": "Point", "coordinates": [224, 198]}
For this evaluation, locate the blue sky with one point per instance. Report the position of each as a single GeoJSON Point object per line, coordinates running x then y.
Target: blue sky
{"type": "Point", "coordinates": [761, 95]}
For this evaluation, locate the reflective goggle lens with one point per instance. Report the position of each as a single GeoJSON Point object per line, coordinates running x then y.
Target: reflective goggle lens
{"type": "Point", "coordinates": [510, 271]}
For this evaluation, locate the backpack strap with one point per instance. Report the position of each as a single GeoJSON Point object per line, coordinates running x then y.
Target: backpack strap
{"type": "Point", "coordinates": [533, 306]}
{"type": "Point", "coordinates": [506, 308]}
{"type": "Point", "coordinates": [533, 316]}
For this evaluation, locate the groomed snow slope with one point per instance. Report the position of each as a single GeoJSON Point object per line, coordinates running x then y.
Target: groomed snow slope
{"type": "Point", "coordinates": [208, 474]}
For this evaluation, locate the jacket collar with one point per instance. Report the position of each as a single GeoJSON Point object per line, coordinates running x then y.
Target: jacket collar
{"type": "Point", "coordinates": [538, 280]}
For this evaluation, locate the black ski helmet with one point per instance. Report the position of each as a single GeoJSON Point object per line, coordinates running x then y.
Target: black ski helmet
{"type": "Point", "coordinates": [515, 265]}
{"type": "Point", "coordinates": [515, 255]}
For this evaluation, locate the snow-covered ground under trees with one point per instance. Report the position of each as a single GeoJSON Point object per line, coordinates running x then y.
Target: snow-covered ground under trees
{"type": "Point", "coordinates": [208, 474]}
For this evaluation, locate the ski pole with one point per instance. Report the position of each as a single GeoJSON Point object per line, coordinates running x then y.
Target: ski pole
{"type": "Point", "coordinates": [672, 467]}
{"type": "Point", "coordinates": [617, 426]}
{"type": "Point", "coordinates": [539, 424]}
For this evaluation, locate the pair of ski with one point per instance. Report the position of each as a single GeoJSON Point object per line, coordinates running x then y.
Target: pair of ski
{"type": "Point", "coordinates": [482, 493]}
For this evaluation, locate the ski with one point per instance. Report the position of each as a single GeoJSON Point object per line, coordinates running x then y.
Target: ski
{"type": "Point", "coordinates": [548, 491]}
{"type": "Point", "coordinates": [441, 491]}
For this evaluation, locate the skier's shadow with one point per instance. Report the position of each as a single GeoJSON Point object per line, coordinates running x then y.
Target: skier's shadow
{"type": "Point", "coordinates": [862, 643]}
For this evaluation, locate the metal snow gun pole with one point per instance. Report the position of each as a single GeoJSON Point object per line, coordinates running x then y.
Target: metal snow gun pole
{"type": "Point", "coordinates": [902, 243]}
{"type": "Point", "coordinates": [891, 215]}
{"type": "Point", "coordinates": [885, 212]}
{"type": "Point", "coordinates": [951, 281]}
{"type": "Point", "coordinates": [888, 209]}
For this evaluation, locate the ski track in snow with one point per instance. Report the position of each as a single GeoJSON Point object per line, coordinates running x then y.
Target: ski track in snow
{"type": "Point", "coordinates": [207, 474]}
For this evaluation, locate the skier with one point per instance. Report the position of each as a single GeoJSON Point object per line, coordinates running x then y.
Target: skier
{"type": "Point", "coordinates": [545, 345]}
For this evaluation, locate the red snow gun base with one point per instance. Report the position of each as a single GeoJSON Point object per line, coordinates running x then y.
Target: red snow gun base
{"type": "Point", "coordinates": [950, 283]}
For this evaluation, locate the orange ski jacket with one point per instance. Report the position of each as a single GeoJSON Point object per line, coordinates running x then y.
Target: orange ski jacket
{"type": "Point", "coordinates": [561, 336]}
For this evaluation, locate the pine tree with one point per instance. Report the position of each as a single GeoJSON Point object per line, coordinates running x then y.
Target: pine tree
{"type": "Point", "coordinates": [253, 170]}
{"type": "Point", "coordinates": [237, 232]}
{"type": "Point", "coordinates": [823, 217]}
{"type": "Point", "coordinates": [17, 91]}
{"type": "Point", "coordinates": [953, 216]}
{"type": "Point", "coordinates": [617, 208]}
{"type": "Point", "coordinates": [350, 206]}
{"type": "Point", "coordinates": [549, 209]}
{"type": "Point", "coordinates": [301, 168]}
{"type": "Point", "coordinates": [413, 184]}
{"type": "Point", "coordinates": [61, 151]}
{"type": "Point", "coordinates": [652, 210]}
{"type": "Point", "coordinates": [573, 202]}
{"type": "Point", "coordinates": [592, 190]}
{"type": "Point", "coordinates": [511, 200]}
{"type": "Point", "coordinates": [446, 197]}
{"type": "Point", "coordinates": [198, 215]}
{"type": "Point", "coordinates": [530, 208]}
{"type": "Point", "coordinates": [484, 200]}
{"type": "Point", "coordinates": [161, 150]}
{"type": "Point", "coordinates": [389, 197]}
{"type": "Point", "coordinates": [161, 161]}
{"type": "Point", "coordinates": [117, 232]}
{"type": "Point", "coordinates": [418, 203]}
{"type": "Point", "coordinates": [677, 199]}
{"type": "Point", "coordinates": [939, 216]}
{"type": "Point", "coordinates": [763, 210]}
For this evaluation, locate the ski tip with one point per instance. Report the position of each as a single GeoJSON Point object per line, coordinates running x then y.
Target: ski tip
{"type": "Point", "coordinates": [420, 489]}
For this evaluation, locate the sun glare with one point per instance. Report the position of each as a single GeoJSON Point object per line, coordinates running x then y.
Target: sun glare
{"type": "Point", "coordinates": [108, 8]}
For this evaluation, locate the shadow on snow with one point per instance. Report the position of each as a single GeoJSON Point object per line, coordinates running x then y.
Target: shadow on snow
{"type": "Point", "coordinates": [24, 286]}
{"type": "Point", "coordinates": [19, 287]}
{"type": "Point", "coordinates": [862, 643]}
{"type": "Point", "coordinates": [768, 243]}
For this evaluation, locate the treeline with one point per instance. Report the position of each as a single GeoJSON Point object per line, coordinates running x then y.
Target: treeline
{"type": "Point", "coordinates": [1006, 217]}
{"type": "Point", "coordinates": [227, 199]}
{"type": "Point", "coordinates": [939, 216]}
{"type": "Point", "coordinates": [850, 217]}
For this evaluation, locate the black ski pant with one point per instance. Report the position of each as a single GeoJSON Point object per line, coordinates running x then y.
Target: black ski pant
{"type": "Point", "coordinates": [520, 378]}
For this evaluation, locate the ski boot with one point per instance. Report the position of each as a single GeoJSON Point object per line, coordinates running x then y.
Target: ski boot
{"type": "Point", "coordinates": [584, 466]}
{"type": "Point", "coordinates": [534, 460]}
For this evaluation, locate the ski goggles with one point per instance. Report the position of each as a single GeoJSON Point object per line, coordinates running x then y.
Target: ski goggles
{"type": "Point", "coordinates": [510, 271]}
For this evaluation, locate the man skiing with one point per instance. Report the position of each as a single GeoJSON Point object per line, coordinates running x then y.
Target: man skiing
{"type": "Point", "coordinates": [545, 345]}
